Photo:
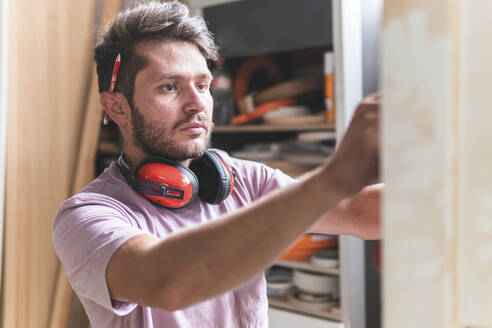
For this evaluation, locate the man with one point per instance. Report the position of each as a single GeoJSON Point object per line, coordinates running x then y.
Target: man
{"type": "Point", "coordinates": [134, 263]}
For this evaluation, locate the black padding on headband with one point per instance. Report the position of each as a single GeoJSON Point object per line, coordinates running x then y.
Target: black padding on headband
{"type": "Point", "coordinates": [213, 177]}
{"type": "Point", "coordinates": [125, 171]}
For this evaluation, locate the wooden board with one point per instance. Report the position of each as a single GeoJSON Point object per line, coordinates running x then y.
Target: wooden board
{"type": "Point", "coordinates": [4, 25]}
{"type": "Point", "coordinates": [438, 198]}
{"type": "Point", "coordinates": [419, 149]}
{"type": "Point", "coordinates": [475, 162]}
{"type": "Point", "coordinates": [66, 308]}
{"type": "Point", "coordinates": [49, 59]}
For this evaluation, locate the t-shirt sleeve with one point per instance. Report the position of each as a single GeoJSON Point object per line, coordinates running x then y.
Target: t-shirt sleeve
{"type": "Point", "coordinates": [259, 179]}
{"type": "Point", "coordinates": [86, 234]}
{"type": "Point", "coordinates": [274, 179]}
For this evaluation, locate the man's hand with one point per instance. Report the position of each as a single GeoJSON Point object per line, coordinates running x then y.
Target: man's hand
{"type": "Point", "coordinates": [356, 161]}
{"type": "Point", "coordinates": [358, 216]}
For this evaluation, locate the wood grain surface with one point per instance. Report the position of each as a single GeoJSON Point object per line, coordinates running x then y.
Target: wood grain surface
{"type": "Point", "coordinates": [50, 59]}
{"type": "Point", "coordinates": [420, 140]}
{"type": "Point", "coordinates": [66, 309]}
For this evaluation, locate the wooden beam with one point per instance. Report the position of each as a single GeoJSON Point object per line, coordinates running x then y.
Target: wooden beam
{"type": "Point", "coordinates": [475, 163]}
{"type": "Point", "coordinates": [84, 173]}
{"type": "Point", "coordinates": [419, 164]}
{"type": "Point", "coordinates": [48, 68]}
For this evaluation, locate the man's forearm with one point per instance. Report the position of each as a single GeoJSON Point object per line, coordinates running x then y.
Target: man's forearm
{"type": "Point", "coordinates": [357, 215]}
{"type": "Point", "coordinates": [208, 260]}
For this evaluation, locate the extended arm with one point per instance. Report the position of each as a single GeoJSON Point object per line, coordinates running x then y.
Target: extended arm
{"type": "Point", "coordinates": [203, 262]}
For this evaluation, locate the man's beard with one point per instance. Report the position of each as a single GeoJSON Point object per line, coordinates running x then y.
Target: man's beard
{"type": "Point", "coordinates": [156, 140]}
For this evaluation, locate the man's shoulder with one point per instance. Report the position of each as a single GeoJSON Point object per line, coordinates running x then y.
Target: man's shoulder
{"type": "Point", "coordinates": [256, 177]}
{"type": "Point", "coordinates": [108, 189]}
{"type": "Point", "coordinates": [236, 162]}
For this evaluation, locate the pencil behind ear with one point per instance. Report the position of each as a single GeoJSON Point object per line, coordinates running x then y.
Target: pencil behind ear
{"type": "Point", "coordinates": [112, 85]}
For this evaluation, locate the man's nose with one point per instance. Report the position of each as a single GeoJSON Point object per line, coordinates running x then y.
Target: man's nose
{"type": "Point", "coordinates": [194, 100]}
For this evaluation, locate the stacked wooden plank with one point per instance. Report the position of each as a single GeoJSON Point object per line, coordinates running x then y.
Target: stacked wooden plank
{"type": "Point", "coordinates": [53, 126]}
{"type": "Point", "coordinates": [66, 307]}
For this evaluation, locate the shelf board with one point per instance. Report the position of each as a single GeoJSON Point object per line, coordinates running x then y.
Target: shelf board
{"type": "Point", "coordinates": [308, 266]}
{"type": "Point", "coordinates": [273, 128]}
{"type": "Point", "coordinates": [281, 303]}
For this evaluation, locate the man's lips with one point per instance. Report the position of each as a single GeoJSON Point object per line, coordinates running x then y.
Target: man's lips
{"type": "Point", "coordinates": [193, 127]}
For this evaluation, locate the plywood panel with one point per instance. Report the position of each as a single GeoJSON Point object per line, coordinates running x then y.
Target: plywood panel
{"type": "Point", "coordinates": [475, 185]}
{"type": "Point", "coordinates": [418, 165]}
{"type": "Point", "coordinates": [50, 56]}
{"type": "Point", "coordinates": [4, 20]}
{"type": "Point", "coordinates": [67, 309]}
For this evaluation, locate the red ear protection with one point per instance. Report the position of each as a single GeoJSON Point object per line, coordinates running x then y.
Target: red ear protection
{"type": "Point", "coordinates": [172, 185]}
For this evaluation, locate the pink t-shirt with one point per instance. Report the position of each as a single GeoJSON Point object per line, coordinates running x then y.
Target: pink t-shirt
{"type": "Point", "coordinates": [90, 226]}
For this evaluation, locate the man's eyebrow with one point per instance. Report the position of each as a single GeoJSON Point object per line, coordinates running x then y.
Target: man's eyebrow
{"type": "Point", "coordinates": [167, 76]}
{"type": "Point", "coordinates": [205, 76]}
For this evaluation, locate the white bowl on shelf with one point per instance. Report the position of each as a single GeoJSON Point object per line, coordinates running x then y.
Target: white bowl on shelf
{"type": "Point", "coordinates": [326, 258]}
{"type": "Point", "coordinates": [310, 306]}
{"type": "Point", "coordinates": [309, 297]}
{"type": "Point", "coordinates": [278, 281]}
{"type": "Point", "coordinates": [315, 283]}
{"type": "Point", "coordinates": [278, 288]}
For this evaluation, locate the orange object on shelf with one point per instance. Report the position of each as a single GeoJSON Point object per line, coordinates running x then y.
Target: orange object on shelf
{"type": "Point", "coordinates": [250, 66]}
{"type": "Point", "coordinates": [307, 246]}
{"type": "Point", "coordinates": [261, 110]}
{"type": "Point", "coordinates": [329, 98]}
{"type": "Point", "coordinates": [329, 87]}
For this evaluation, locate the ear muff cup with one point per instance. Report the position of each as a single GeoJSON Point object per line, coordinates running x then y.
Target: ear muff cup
{"type": "Point", "coordinates": [171, 185]}
{"type": "Point", "coordinates": [161, 181]}
{"type": "Point", "coordinates": [215, 178]}
{"type": "Point", "coordinates": [165, 182]}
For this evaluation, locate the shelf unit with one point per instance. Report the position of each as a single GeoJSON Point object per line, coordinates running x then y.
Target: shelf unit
{"type": "Point", "coordinates": [275, 128]}
{"type": "Point", "coordinates": [308, 266]}
{"type": "Point", "coordinates": [283, 304]}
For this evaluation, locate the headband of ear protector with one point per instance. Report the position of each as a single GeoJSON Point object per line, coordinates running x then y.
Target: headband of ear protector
{"type": "Point", "coordinates": [171, 185]}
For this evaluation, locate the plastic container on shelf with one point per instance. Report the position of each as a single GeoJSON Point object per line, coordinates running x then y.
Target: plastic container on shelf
{"type": "Point", "coordinates": [222, 93]}
{"type": "Point", "coordinates": [329, 87]}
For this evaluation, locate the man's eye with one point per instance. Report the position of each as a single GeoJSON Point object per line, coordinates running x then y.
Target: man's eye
{"type": "Point", "coordinates": [168, 87]}
{"type": "Point", "coordinates": [202, 86]}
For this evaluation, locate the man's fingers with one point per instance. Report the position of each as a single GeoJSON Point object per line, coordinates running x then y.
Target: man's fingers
{"type": "Point", "coordinates": [370, 103]}
{"type": "Point", "coordinates": [373, 98]}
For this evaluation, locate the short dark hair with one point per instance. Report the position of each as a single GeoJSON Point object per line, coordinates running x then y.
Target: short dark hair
{"type": "Point", "coordinates": [148, 21]}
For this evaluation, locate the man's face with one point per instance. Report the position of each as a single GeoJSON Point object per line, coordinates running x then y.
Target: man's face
{"type": "Point", "coordinates": [172, 110]}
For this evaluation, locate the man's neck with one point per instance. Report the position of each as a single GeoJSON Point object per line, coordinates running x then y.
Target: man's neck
{"type": "Point", "coordinates": [134, 156]}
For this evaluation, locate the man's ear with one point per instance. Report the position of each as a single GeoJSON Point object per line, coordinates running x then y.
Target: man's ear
{"type": "Point", "coordinates": [116, 106]}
